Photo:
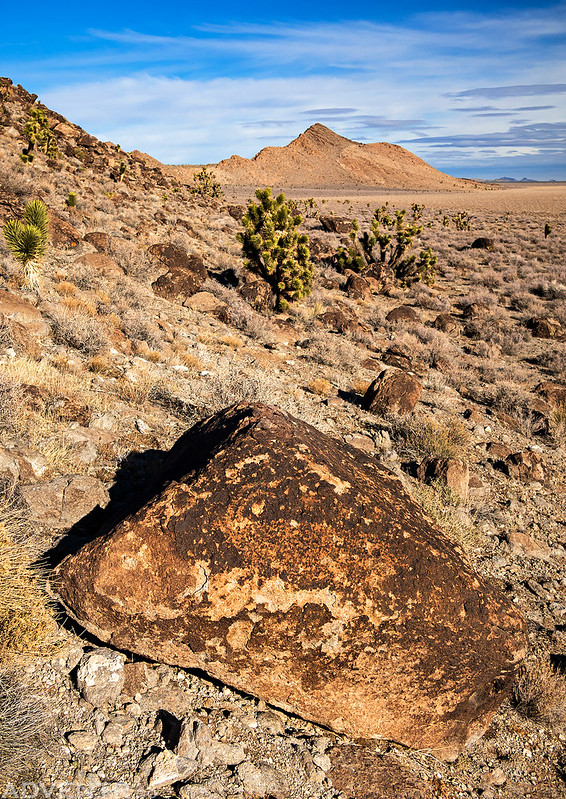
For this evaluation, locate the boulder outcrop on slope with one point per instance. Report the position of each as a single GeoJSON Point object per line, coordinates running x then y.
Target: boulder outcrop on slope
{"type": "Point", "coordinates": [296, 568]}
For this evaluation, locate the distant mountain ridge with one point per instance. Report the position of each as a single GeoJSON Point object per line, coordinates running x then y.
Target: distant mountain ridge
{"type": "Point", "coordinates": [319, 157]}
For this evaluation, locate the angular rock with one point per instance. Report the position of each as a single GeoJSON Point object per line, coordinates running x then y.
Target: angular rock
{"type": "Point", "coordinates": [335, 224]}
{"type": "Point", "coordinates": [262, 781]}
{"type": "Point", "coordinates": [483, 243]}
{"type": "Point", "coordinates": [99, 240]}
{"type": "Point", "coordinates": [297, 569]}
{"type": "Point", "coordinates": [393, 391]}
{"type": "Point", "coordinates": [452, 472]}
{"type": "Point", "coordinates": [185, 273]}
{"type": "Point", "coordinates": [61, 232]}
{"type": "Point", "coordinates": [526, 466]}
{"type": "Point", "coordinates": [544, 328]}
{"type": "Point", "coordinates": [357, 287]}
{"type": "Point", "coordinates": [403, 313]}
{"type": "Point", "coordinates": [360, 773]}
{"type": "Point", "coordinates": [100, 676]}
{"type": "Point", "coordinates": [259, 295]}
{"type": "Point", "coordinates": [64, 501]}
{"type": "Point", "coordinates": [337, 321]}
{"type": "Point", "coordinates": [169, 768]}
{"type": "Point", "coordinates": [446, 323]}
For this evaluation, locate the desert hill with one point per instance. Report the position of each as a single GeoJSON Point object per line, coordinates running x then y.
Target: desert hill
{"type": "Point", "coordinates": [321, 158]}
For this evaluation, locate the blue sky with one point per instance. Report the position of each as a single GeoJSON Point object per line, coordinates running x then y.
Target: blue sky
{"type": "Point", "coordinates": [477, 91]}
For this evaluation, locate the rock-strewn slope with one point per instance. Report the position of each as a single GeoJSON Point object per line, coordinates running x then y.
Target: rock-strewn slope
{"type": "Point", "coordinates": [297, 569]}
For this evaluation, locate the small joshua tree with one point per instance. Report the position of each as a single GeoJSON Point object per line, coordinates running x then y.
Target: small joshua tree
{"type": "Point", "coordinates": [206, 185]}
{"type": "Point", "coordinates": [38, 132]}
{"type": "Point", "coordinates": [387, 244]}
{"type": "Point", "coordinates": [27, 241]}
{"type": "Point", "coordinates": [547, 230]}
{"type": "Point", "coordinates": [275, 249]}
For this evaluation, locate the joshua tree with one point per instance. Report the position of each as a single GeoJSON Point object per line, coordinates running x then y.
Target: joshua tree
{"type": "Point", "coordinates": [386, 245]}
{"type": "Point", "coordinates": [206, 185]}
{"type": "Point", "coordinates": [275, 249]}
{"type": "Point", "coordinates": [38, 132]}
{"type": "Point", "coordinates": [27, 240]}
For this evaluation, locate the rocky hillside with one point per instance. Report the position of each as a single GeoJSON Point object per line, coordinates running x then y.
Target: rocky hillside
{"type": "Point", "coordinates": [323, 159]}
{"type": "Point", "coordinates": [146, 323]}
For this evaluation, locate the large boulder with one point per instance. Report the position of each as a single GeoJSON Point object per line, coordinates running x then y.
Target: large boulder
{"type": "Point", "coordinates": [296, 568]}
{"type": "Point", "coordinates": [185, 273]}
{"type": "Point", "coordinates": [393, 391]}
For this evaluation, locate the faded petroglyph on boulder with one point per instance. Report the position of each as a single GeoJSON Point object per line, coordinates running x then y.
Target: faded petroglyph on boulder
{"type": "Point", "coordinates": [296, 568]}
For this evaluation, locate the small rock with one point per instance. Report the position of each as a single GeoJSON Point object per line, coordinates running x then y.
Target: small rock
{"type": "Point", "coordinates": [322, 761]}
{"type": "Point", "coordinates": [271, 722]}
{"type": "Point", "coordinates": [113, 734]}
{"type": "Point", "coordinates": [169, 768]}
{"type": "Point", "coordinates": [263, 780]}
{"type": "Point", "coordinates": [114, 790]}
{"type": "Point", "coordinates": [454, 473]}
{"type": "Point", "coordinates": [100, 676]}
{"type": "Point", "coordinates": [82, 740]}
{"type": "Point", "coordinates": [142, 427]}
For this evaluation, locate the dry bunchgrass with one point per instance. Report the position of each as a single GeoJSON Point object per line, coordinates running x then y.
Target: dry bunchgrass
{"type": "Point", "coordinates": [24, 717]}
{"type": "Point", "coordinates": [444, 506]}
{"type": "Point", "coordinates": [84, 333]}
{"type": "Point", "coordinates": [421, 436]}
{"type": "Point", "coordinates": [320, 386]}
{"type": "Point", "coordinates": [27, 625]}
{"type": "Point", "coordinates": [540, 692]}
{"type": "Point", "coordinates": [558, 423]}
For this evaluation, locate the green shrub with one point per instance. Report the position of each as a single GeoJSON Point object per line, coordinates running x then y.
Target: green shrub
{"type": "Point", "coordinates": [27, 240]}
{"type": "Point", "coordinates": [206, 185]}
{"type": "Point", "coordinates": [274, 248]}
{"type": "Point", "coordinates": [71, 201]}
{"type": "Point", "coordinates": [387, 244]}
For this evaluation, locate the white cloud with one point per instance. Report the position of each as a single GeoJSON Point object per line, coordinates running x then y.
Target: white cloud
{"type": "Point", "coordinates": [223, 89]}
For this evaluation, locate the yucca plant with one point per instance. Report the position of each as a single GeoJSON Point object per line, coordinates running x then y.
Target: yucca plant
{"type": "Point", "coordinates": [27, 240]}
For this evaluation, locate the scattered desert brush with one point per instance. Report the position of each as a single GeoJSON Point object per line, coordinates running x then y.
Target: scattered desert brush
{"type": "Point", "coordinates": [540, 692]}
{"type": "Point", "coordinates": [421, 436]}
{"type": "Point", "coordinates": [23, 719]}
{"type": "Point", "coordinates": [27, 626]}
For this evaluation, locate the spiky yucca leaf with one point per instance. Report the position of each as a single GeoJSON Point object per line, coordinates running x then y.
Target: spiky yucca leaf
{"type": "Point", "coordinates": [25, 242]}
{"type": "Point", "coordinates": [36, 215]}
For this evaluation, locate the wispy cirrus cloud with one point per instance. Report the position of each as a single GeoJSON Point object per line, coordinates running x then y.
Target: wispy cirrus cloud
{"type": "Point", "coordinates": [219, 89]}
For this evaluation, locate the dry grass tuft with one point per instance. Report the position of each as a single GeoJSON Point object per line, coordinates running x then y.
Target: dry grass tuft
{"type": "Point", "coordinates": [320, 386]}
{"type": "Point", "coordinates": [558, 424]}
{"type": "Point", "coordinates": [27, 626]}
{"type": "Point", "coordinates": [444, 506]}
{"type": "Point", "coordinates": [421, 436]}
{"type": "Point", "coordinates": [540, 693]}
{"type": "Point", "coordinates": [84, 333]}
{"type": "Point", "coordinates": [23, 719]}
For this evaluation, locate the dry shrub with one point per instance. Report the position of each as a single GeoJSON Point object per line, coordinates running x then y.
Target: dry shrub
{"type": "Point", "coordinates": [65, 288]}
{"type": "Point", "coordinates": [27, 626]}
{"type": "Point", "coordinates": [320, 386]}
{"type": "Point", "coordinates": [10, 403]}
{"type": "Point", "coordinates": [84, 333]}
{"type": "Point", "coordinates": [558, 423]}
{"type": "Point", "coordinates": [421, 436]}
{"type": "Point", "coordinates": [78, 305]}
{"type": "Point", "coordinates": [100, 364]}
{"type": "Point", "coordinates": [23, 719]}
{"type": "Point", "coordinates": [137, 328]}
{"type": "Point", "coordinates": [444, 506]}
{"type": "Point", "coordinates": [540, 693]}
